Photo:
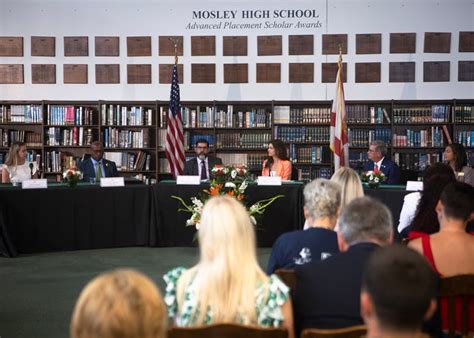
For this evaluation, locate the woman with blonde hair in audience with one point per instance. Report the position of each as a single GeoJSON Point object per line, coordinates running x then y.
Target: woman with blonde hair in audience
{"type": "Point", "coordinates": [227, 285]}
{"type": "Point", "coordinates": [351, 186]}
{"type": "Point", "coordinates": [119, 304]}
{"type": "Point", "coordinates": [16, 168]}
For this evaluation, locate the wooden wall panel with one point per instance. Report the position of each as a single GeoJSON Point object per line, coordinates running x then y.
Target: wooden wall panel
{"type": "Point", "coordinates": [436, 71]}
{"type": "Point", "coordinates": [11, 74]}
{"type": "Point", "coordinates": [138, 74]}
{"type": "Point", "coordinates": [466, 71]}
{"type": "Point", "coordinates": [269, 45]}
{"type": "Point", "coordinates": [11, 46]}
{"type": "Point", "coordinates": [332, 43]}
{"type": "Point", "coordinates": [107, 73]}
{"type": "Point", "coordinates": [138, 46]}
{"type": "Point", "coordinates": [402, 43]}
{"type": "Point", "coordinates": [107, 46]}
{"type": "Point", "coordinates": [329, 72]}
{"type": "Point", "coordinates": [75, 73]}
{"type": "Point", "coordinates": [268, 72]}
{"type": "Point", "coordinates": [301, 72]}
{"type": "Point", "coordinates": [166, 45]}
{"type": "Point", "coordinates": [366, 72]}
{"type": "Point", "coordinates": [368, 43]}
{"type": "Point", "coordinates": [43, 46]}
{"type": "Point", "coordinates": [402, 72]}
{"type": "Point", "coordinates": [203, 73]}
{"type": "Point", "coordinates": [466, 42]}
{"type": "Point", "coordinates": [437, 43]}
{"type": "Point", "coordinates": [76, 46]}
{"type": "Point", "coordinates": [166, 72]}
{"type": "Point", "coordinates": [301, 45]}
{"type": "Point", "coordinates": [43, 74]}
{"type": "Point", "coordinates": [203, 45]}
{"type": "Point", "coordinates": [236, 73]}
{"type": "Point", "coordinates": [235, 45]}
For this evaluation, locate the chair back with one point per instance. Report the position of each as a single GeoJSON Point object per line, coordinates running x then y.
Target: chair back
{"type": "Point", "coordinates": [227, 331]}
{"type": "Point", "coordinates": [287, 276]}
{"type": "Point", "coordinates": [453, 288]}
{"type": "Point", "coordinates": [356, 331]}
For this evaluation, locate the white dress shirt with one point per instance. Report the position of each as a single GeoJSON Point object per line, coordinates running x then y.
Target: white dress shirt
{"type": "Point", "coordinates": [410, 202]}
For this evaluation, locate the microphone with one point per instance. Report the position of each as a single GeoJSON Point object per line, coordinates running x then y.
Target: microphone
{"type": "Point", "coordinates": [31, 169]}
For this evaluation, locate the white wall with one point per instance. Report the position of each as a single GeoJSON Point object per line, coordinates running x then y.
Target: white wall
{"type": "Point", "coordinates": [153, 18]}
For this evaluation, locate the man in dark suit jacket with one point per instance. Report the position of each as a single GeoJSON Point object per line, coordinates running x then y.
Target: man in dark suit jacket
{"type": "Point", "coordinates": [96, 166]}
{"type": "Point", "coordinates": [376, 154]}
{"type": "Point", "coordinates": [201, 165]}
{"type": "Point", "coordinates": [327, 293]}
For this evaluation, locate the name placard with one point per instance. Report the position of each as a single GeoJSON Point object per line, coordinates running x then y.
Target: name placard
{"type": "Point", "coordinates": [41, 183]}
{"type": "Point", "coordinates": [112, 182]}
{"type": "Point", "coordinates": [269, 180]}
{"type": "Point", "coordinates": [188, 180]}
{"type": "Point", "coordinates": [414, 186]}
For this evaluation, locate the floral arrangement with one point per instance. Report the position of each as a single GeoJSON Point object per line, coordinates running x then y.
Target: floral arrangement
{"type": "Point", "coordinates": [373, 178]}
{"type": "Point", "coordinates": [225, 180]}
{"type": "Point", "coordinates": [71, 176]}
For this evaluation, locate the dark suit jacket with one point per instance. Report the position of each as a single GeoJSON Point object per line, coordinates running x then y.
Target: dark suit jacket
{"type": "Point", "coordinates": [191, 166]}
{"type": "Point", "coordinates": [88, 170]}
{"type": "Point", "coordinates": [327, 292]}
{"type": "Point", "coordinates": [389, 168]}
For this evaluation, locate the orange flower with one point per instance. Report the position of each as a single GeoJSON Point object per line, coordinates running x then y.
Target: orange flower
{"type": "Point", "coordinates": [214, 191]}
{"type": "Point", "coordinates": [230, 193]}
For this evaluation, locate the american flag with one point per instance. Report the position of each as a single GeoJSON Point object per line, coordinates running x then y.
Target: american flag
{"type": "Point", "coordinates": [339, 141]}
{"type": "Point", "coordinates": [174, 133]}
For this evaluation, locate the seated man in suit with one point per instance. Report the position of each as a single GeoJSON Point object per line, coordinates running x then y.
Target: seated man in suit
{"type": "Point", "coordinates": [377, 160]}
{"type": "Point", "coordinates": [201, 165]}
{"type": "Point", "coordinates": [327, 293]}
{"type": "Point", "coordinates": [96, 166]}
{"type": "Point", "coordinates": [399, 291]}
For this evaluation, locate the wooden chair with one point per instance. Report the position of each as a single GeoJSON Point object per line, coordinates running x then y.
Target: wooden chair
{"type": "Point", "coordinates": [356, 331]}
{"type": "Point", "coordinates": [287, 276]}
{"type": "Point", "coordinates": [227, 331]}
{"type": "Point", "coordinates": [453, 288]}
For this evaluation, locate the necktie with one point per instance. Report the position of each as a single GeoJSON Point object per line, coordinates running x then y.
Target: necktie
{"type": "Point", "coordinates": [203, 170]}
{"type": "Point", "coordinates": [376, 167]}
{"type": "Point", "coordinates": [98, 171]}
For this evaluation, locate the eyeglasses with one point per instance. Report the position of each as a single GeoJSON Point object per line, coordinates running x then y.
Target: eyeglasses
{"type": "Point", "coordinates": [202, 147]}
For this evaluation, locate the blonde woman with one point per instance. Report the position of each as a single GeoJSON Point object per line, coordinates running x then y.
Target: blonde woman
{"type": "Point", "coordinates": [119, 304]}
{"type": "Point", "coordinates": [227, 285]}
{"type": "Point", "coordinates": [16, 167]}
{"type": "Point", "coordinates": [351, 186]}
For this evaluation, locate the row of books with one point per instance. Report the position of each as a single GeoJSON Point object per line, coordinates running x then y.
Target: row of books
{"type": "Point", "coordinates": [309, 174]}
{"type": "Point", "coordinates": [302, 115]}
{"type": "Point", "coordinates": [363, 137]}
{"type": "Point", "coordinates": [417, 161]}
{"type": "Point", "coordinates": [123, 138]}
{"type": "Point", "coordinates": [118, 115]}
{"type": "Point", "coordinates": [28, 113]}
{"type": "Point", "coordinates": [130, 161]}
{"type": "Point", "coordinates": [426, 114]}
{"type": "Point", "coordinates": [256, 118]}
{"type": "Point", "coordinates": [31, 139]}
{"type": "Point", "coordinates": [430, 137]}
{"type": "Point", "coordinates": [357, 159]}
{"type": "Point", "coordinates": [465, 137]}
{"type": "Point", "coordinates": [76, 136]}
{"type": "Point", "coordinates": [303, 134]}
{"type": "Point", "coordinates": [58, 161]}
{"type": "Point", "coordinates": [362, 113]}
{"type": "Point", "coordinates": [70, 115]}
{"type": "Point", "coordinates": [243, 140]}
{"type": "Point", "coordinates": [463, 114]}
{"type": "Point", "coordinates": [309, 154]}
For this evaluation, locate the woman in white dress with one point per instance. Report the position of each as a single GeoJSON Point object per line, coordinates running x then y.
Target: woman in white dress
{"type": "Point", "coordinates": [16, 167]}
{"type": "Point", "coordinates": [455, 155]}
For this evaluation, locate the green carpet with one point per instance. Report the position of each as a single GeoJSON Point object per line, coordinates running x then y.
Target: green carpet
{"type": "Point", "coordinates": [38, 292]}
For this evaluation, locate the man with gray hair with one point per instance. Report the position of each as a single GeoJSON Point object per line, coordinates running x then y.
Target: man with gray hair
{"type": "Point", "coordinates": [378, 161]}
{"type": "Point", "coordinates": [327, 293]}
{"type": "Point", "coordinates": [319, 241]}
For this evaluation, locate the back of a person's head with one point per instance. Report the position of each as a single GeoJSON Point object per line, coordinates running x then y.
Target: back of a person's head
{"type": "Point", "coordinates": [351, 186]}
{"type": "Point", "coordinates": [119, 304]}
{"type": "Point", "coordinates": [458, 200]}
{"type": "Point", "coordinates": [437, 169]}
{"type": "Point", "coordinates": [365, 219]}
{"type": "Point", "coordinates": [401, 286]}
{"type": "Point", "coordinates": [460, 157]}
{"type": "Point", "coordinates": [322, 198]}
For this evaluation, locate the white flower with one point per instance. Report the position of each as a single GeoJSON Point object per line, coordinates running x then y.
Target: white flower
{"type": "Point", "coordinates": [226, 171]}
{"type": "Point", "coordinates": [233, 173]}
{"type": "Point", "coordinates": [254, 208]}
{"type": "Point", "coordinates": [376, 180]}
{"type": "Point", "coordinates": [229, 185]}
{"type": "Point", "coordinates": [253, 220]}
{"type": "Point", "coordinates": [198, 225]}
{"type": "Point", "coordinates": [243, 186]}
{"type": "Point", "coordinates": [197, 202]}
{"type": "Point", "coordinates": [190, 222]}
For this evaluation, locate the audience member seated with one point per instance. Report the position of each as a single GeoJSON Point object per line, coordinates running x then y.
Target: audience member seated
{"type": "Point", "coordinates": [327, 294]}
{"type": "Point", "coordinates": [277, 163]}
{"type": "Point", "coordinates": [450, 250]}
{"type": "Point", "coordinates": [16, 168]}
{"type": "Point", "coordinates": [201, 165]}
{"type": "Point", "coordinates": [399, 292]}
{"type": "Point", "coordinates": [319, 240]}
{"type": "Point", "coordinates": [227, 285]}
{"type": "Point", "coordinates": [119, 304]}
{"type": "Point", "coordinates": [378, 161]}
{"type": "Point", "coordinates": [96, 166]}
{"type": "Point", "coordinates": [455, 155]}
{"type": "Point", "coordinates": [418, 210]}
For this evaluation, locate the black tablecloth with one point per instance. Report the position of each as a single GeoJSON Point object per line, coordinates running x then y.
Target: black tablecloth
{"type": "Point", "coordinates": [84, 217]}
{"type": "Point", "coordinates": [285, 214]}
